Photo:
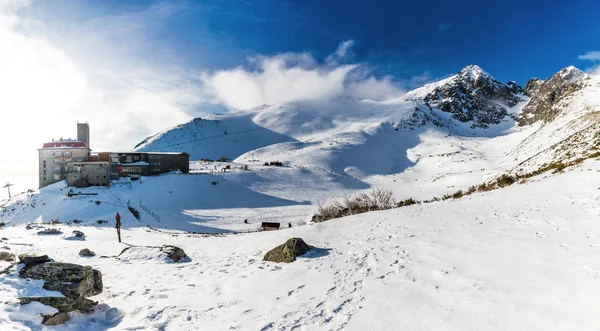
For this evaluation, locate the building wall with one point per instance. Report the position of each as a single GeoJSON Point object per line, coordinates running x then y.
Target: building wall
{"type": "Point", "coordinates": [53, 163]}
{"type": "Point", "coordinates": [165, 162]}
{"type": "Point", "coordinates": [83, 174]}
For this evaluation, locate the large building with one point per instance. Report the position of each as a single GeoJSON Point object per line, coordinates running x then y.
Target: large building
{"type": "Point", "coordinates": [72, 160]}
{"type": "Point", "coordinates": [54, 156]}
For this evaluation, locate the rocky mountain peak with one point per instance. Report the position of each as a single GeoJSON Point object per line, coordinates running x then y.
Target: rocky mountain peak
{"type": "Point", "coordinates": [472, 72]}
{"type": "Point", "coordinates": [474, 95]}
{"type": "Point", "coordinates": [547, 94]}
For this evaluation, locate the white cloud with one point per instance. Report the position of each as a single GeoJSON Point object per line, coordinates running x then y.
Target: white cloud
{"type": "Point", "coordinates": [590, 56]}
{"type": "Point", "coordinates": [293, 77]}
{"type": "Point", "coordinates": [342, 54]}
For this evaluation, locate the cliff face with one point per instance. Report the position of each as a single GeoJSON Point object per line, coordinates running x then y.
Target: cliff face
{"type": "Point", "coordinates": [474, 95]}
{"type": "Point", "coordinates": [546, 95]}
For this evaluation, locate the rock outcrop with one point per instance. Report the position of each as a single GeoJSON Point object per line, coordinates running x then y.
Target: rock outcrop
{"type": "Point", "coordinates": [75, 282]}
{"type": "Point", "coordinates": [287, 252]}
{"type": "Point", "coordinates": [546, 95]}
{"type": "Point", "coordinates": [474, 95]}
{"type": "Point", "coordinates": [72, 280]}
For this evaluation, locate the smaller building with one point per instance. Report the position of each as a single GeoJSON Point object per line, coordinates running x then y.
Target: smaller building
{"type": "Point", "coordinates": [146, 163]}
{"type": "Point", "coordinates": [84, 174]}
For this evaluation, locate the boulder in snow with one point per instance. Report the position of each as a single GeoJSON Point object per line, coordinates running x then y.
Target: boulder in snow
{"type": "Point", "coordinates": [288, 252]}
{"type": "Point", "coordinates": [72, 280]}
{"type": "Point", "coordinates": [77, 235]}
{"type": "Point", "coordinates": [56, 319]}
{"type": "Point", "coordinates": [7, 256]}
{"type": "Point", "coordinates": [86, 253]}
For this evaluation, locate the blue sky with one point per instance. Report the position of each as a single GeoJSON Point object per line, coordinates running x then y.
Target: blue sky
{"type": "Point", "coordinates": [513, 40]}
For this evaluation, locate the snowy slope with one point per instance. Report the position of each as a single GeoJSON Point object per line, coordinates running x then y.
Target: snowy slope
{"type": "Point", "coordinates": [520, 258]}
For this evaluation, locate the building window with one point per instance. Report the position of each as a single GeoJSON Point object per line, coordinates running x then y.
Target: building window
{"type": "Point", "coordinates": [58, 154]}
{"type": "Point", "coordinates": [67, 154]}
{"type": "Point", "coordinates": [56, 177]}
{"type": "Point", "coordinates": [44, 164]}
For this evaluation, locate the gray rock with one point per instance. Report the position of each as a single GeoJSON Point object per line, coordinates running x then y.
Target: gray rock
{"type": "Point", "coordinates": [56, 319]}
{"type": "Point", "coordinates": [49, 232]}
{"type": "Point", "coordinates": [7, 256]}
{"type": "Point", "coordinates": [174, 253]}
{"type": "Point", "coordinates": [72, 280]}
{"type": "Point", "coordinates": [62, 304]}
{"type": "Point", "coordinates": [77, 235]}
{"type": "Point", "coordinates": [86, 252]}
{"type": "Point", "coordinates": [287, 252]}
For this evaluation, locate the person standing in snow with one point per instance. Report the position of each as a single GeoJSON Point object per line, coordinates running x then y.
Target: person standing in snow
{"type": "Point", "coordinates": [118, 225]}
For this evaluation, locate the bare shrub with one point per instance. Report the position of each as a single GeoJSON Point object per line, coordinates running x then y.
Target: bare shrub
{"type": "Point", "coordinates": [355, 204]}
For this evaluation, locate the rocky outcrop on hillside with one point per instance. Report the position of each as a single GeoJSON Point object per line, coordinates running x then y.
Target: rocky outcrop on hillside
{"type": "Point", "coordinates": [533, 86]}
{"type": "Point", "coordinates": [474, 95]}
{"type": "Point", "coordinates": [546, 95]}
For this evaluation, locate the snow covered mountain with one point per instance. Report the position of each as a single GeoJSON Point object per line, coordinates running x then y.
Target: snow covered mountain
{"type": "Point", "coordinates": [363, 138]}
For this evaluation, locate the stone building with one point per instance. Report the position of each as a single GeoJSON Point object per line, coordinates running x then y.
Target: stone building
{"type": "Point", "coordinates": [84, 174]}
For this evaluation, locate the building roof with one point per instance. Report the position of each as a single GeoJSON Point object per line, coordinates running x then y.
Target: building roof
{"type": "Point", "coordinates": [65, 143]}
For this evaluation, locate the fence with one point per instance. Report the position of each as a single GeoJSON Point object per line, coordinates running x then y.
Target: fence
{"type": "Point", "coordinates": [150, 212]}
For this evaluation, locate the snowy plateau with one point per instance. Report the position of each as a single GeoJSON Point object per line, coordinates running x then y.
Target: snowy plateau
{"type": "Point", "coordinates": [524, 256]}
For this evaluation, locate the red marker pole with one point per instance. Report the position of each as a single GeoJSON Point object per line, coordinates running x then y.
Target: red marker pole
{"type": "Point", "coordinates": [118, 225]}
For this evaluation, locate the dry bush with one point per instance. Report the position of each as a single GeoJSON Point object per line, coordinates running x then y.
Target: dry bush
{"type": "Point", "coordinates": [355, 204]}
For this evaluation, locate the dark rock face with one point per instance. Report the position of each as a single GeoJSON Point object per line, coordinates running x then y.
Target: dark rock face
{"type": "Point", "coordinates": [86, 252]}
{"type": "Point", "coordinates": [56, 319]}
{"type": "Point", "coordinates": [547, 94]}
{"type": "Point", "coordinates": [72, 280]}
{"type": "Point", "coordinates": [287, 252]}
{"type": "Point", "coordinates": [63, 304]}
{"type": "Point", "coordinates": [533, 86]}
{"type": "Point", "coordinates": [473, 95]}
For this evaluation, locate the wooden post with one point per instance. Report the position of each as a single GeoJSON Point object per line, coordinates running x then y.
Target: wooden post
{"type": "Point", "coordinates": [118, 225]}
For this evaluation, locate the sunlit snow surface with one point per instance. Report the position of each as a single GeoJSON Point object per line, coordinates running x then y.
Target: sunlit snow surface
{"type": "Point", "coordinates": [520, 258]}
